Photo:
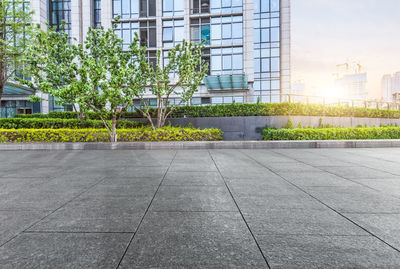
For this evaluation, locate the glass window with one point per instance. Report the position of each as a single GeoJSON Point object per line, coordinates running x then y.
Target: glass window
{"type": "Point", "coordinates": [60, 10]}
{"type": "Point", "coordinates": [173, 33]}
{"type": "Point", "coordinates": [168, 34]}
{"type": "Point", "coordinates": [126, 9]}
{"type": "Point", "coordinates": [226, 30]}
{"type": "Point", "coordinates": [227, 61]}
{"type": "Point", "coordinates": [200, 6]}
{"type": "Point", "coordinates": [226, 6]}
{"type": "Point", "coordinates": [275, 34]}
{"type": "Point", "coordinates": [173, 7]}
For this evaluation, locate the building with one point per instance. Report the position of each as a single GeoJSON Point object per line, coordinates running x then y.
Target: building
{"type": "Point", "coordinates": [390, 86]}
{"type": "Point", "coordinates": [353, 86]}
{"type": "Point", "coordinates": [247, 41]}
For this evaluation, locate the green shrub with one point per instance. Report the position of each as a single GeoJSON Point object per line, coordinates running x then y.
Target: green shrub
{"type": "Point", "coordinates": [258, 109]}
{"type": "Point", "coordinates": [101, 135]}
{"type": "Point", "coordinates": [289, 124]}
{"type": "Point", "coordinates": [49, 123]}
{"type": "Point", "coordinates": [332, 133]}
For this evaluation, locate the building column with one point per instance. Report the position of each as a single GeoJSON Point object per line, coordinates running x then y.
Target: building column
{"type": "Point", "coordinates": [248, 41]}
{"type": "Point", "coordinates": [106, 13]}
{"type": "Point", "coordinates": [285, 47]}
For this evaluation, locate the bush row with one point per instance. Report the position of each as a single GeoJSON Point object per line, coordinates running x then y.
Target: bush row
{"type": "Point", "coordinates": [101, 135]}
{"type": "Point", "coordinates": [332, 133]}
{"type": "Point", "coordinates": [50, 123]}
{"type": "Point", "coordinates": [261, 109]}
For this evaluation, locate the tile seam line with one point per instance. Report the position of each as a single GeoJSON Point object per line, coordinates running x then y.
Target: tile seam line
{"type": "Point", "coordinates": [52, 211]}
{"type": "Point", "coordinates": [337, 212]}
{"type": "Point", "coordinates": [356, 164]}
{"type": "Point", "coordinates": [241, 214]}
{"type": "Point", "coordinates": [348, 179]}
{"type": "Point", "coordinates": [145, 213]}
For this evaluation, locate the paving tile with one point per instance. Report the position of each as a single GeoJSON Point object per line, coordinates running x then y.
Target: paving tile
{"type": "Point", "coordinates": [193, 198]}
{"type": "Point", "coordinates": [389, 186]}
{"type": "Point", "coordinates": [316, 178]}
{"type": "Point", "coordinates": [62, 250]}
{"type": "Point", "coordinates": [356, 172]}
{"type": "Point", "coordinates": [97, 213]}
{"type": "Point", "coordinates": [301, 222]}
{"type": "Point", "coordinates": [356, 199]}
{"type": "Point", "coordinates": [308, 251]}
{"type": "Point", "coordinates": [385, 226]}
{"type": "Point", "coordinates": [193, 240]}
{"type": "Point", "coordinates": [193, 178]}
{"type": "Point", "coordinates": [14, 222]}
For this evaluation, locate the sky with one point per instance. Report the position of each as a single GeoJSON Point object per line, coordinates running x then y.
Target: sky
{"type": "Point", "coordinates": [330, 32]}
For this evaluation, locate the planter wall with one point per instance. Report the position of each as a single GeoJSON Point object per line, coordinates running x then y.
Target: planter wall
{"type": "Point", "coordinates": [249, 128]}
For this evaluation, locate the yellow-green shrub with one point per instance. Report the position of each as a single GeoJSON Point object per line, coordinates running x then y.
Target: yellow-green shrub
{"type": "Point", "coordinates": [101, 135]}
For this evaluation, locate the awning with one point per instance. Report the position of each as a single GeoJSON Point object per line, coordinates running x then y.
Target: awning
{"type": "Point", "coordinates": [226, 82]}
{"type": "Point", "coordinates": [12, 88]}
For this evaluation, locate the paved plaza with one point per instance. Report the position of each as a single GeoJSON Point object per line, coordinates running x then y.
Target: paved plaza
{"type": "Point", "coordinates": [289, 208]}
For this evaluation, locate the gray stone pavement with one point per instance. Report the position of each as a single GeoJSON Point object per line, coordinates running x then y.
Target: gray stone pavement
{"type": "Point", "coordinates": [280, 208]}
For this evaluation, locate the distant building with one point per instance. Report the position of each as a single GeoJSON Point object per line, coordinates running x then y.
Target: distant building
{"type": "Point", "coordinates": [390, 86]}
{"type": "Point", "coordinates": [354, 86]}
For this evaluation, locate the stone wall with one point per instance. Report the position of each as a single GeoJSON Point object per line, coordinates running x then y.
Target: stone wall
{"type": "Point", "coordinates": [249, 128]}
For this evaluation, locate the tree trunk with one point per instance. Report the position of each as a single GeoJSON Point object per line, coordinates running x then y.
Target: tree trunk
{"type": "Point", "coordinates": [113, 135]}
{"type": "Point", "coordinates": [1, 94]}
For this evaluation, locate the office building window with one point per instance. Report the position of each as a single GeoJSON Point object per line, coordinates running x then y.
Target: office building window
{"type": "Point", "coordinates": [264, 6]}
{"type": "Point", "coordinates": [173, 7]}
{"type": "Point", "coordinates": [173, 33]}
{"type": "Point", "coordinates": [97, 14]}
{"type": "Point", "coordinates": [227, 30]}
{"type": "Point", "coordinates": [200, 6]}
{"type": "Point", "coordinates": [226, 6]}
{"type": "Point", "coordinates": [126, 31]}
{"type": "Point", "coordinates": [267, 50]}
{"type": "Point", "coordinates": [127, 9]}
{"type": "Point", "coordinates": [148, 34]}
{"type": "Point", "coordinates": [60, 10]}
{"type": "Point", "coordinates": [146, 31]}
{"type": "Point", "coordinates": [227, 61]}
{"type": "Point", "coordinates": [200, 30]}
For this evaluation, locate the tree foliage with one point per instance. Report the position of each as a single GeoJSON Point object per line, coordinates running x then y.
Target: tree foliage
{"type": "Point", "coordinates": [178, 76]}
{"type": "Point", "coordinates": [98, 76]}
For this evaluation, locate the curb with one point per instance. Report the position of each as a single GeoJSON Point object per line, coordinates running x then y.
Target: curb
{"type": "Point", "coordinates": [204, 145]}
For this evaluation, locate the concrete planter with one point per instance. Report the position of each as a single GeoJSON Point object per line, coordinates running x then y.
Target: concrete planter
{"type": "Point", "coordinates": [249, 128]}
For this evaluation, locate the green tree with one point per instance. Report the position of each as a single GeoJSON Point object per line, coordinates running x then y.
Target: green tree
{"type": "Point", "coordinates": [109, 76]}
{"type": "Point", "coordinates": [179, 77]}
{"type": "Point", "coordinates": [98, 76]}
{"type": "Point", "coordinates": [15, 20]}
{"type": "Point", "coordinates": [52, 67]}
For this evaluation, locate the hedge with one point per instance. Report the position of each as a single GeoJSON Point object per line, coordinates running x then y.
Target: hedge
{"type": "Point", "coordinates": [261, 109]}
{"type": "Point", "coordinates": [332, 133]}
{"type": "Point", "coordinates": [49, 123]}
{"type": "Point", "coordinates": [101, 135]}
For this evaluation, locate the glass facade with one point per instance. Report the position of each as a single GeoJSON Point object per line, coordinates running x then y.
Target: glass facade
{"type": "Point", "coordinates": [267, 50]}
{"type": "Point", "coordinates": [220, 24]}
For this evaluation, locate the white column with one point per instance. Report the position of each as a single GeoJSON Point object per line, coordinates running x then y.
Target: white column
{"type": "Point", "coordinates": [87, 16]}
{"type": "Point", "coordinates": [106, 13]}
{"type": "Point", "coordinates": [285, 47]}
{"type": "Point", "coordinates": [40, 9]}
{"type": "Point", "coordinates": [248, 39]}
